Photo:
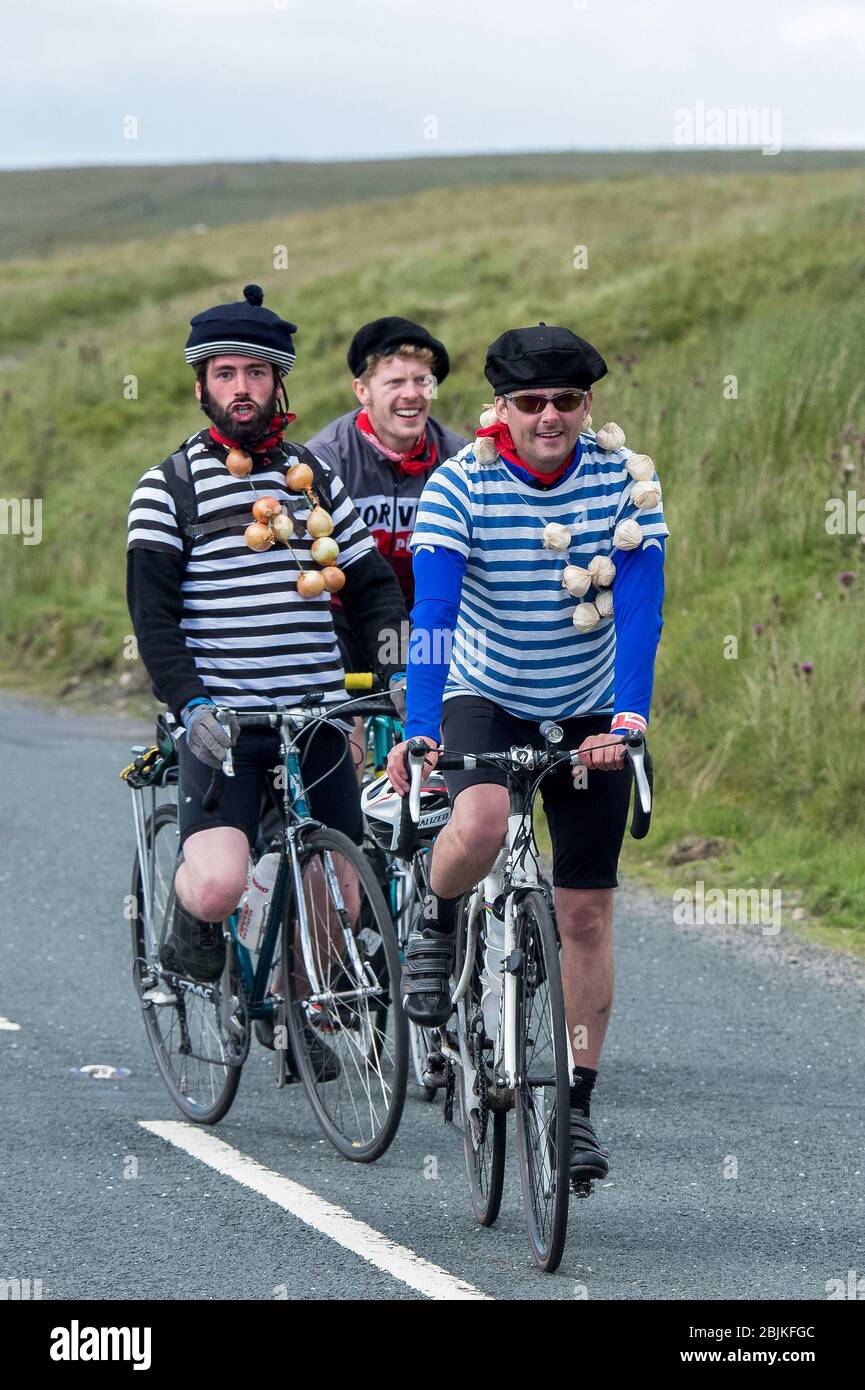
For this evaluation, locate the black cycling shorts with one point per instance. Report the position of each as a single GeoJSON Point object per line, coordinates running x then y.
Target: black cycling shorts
{"type": "Point", "coordinates": [334, 800]}
{"type": "Point", "coordinates": [587, 824]}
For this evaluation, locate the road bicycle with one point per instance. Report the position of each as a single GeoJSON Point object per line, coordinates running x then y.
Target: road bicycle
{"type": "Point", "coordinates": [327, 968]}
{"type": "Point", "coordinates": [507, 1046]}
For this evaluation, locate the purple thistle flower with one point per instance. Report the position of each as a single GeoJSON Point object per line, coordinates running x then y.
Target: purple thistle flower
{"type": "Point", "coordinates": [846, 578]}
{"type": "Point", "coordinates": [758, 628]}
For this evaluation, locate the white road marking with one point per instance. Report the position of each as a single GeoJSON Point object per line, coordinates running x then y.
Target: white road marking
{"type": "Point", "coordinates": [397, 1260]}
{"type": "Point", "coordinates": [9, 1027]}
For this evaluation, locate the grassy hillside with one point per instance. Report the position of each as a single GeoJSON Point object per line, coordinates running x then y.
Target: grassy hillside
{"type": "Point", "coordinates": [46, 211]}
{"type": "Point", "coordinates": [690, 282]}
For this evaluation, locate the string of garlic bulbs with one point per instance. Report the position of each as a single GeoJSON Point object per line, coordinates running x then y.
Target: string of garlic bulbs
{"type": "Point", "coordinates": [628, 535]}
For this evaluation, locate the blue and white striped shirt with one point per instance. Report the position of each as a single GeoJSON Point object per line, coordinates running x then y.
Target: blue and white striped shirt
{"type": "Point", "coordinates": [514, 641]}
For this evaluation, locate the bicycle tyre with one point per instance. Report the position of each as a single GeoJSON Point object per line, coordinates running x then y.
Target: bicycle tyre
{"type": "Point", "coordinates": [485, 1157]}
{"type": "Point", "coordinates": [160, 1022]}
{"type": "Point", "coordinates": [542, 1085]}
{"type": "Point", "coordinates": [333, 1116]}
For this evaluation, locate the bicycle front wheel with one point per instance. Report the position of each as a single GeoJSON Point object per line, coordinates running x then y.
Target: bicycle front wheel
{"type": "Point", "coordinates": [542, 1089]}
{"type": "Point", "coordinates": [347, 1030]}
{"type": "Point", "coordinates": [196, 1032]}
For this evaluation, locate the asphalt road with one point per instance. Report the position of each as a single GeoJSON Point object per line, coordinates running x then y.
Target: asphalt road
{"type": "Point", "coordinates": [728, 1053]}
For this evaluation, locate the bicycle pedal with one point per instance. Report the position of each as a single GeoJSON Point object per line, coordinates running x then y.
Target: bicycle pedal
{"type": "Point", "coordinates": [581, 1187]}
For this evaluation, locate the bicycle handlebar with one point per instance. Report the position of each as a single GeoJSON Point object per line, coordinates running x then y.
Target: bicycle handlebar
{"type": "Point", "coordinates": [530, 759]}
{"type": "Point", "coordinates": [309, 710]}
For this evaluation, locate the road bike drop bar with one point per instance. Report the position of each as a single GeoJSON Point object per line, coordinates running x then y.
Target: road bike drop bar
{"type": "Point", "coordinates": [525, 760]}
{"type": "Point", "coordinates": [294, 717]}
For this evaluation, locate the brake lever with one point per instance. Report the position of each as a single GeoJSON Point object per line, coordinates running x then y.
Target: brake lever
{"type": "Point", "coordinates": [228, 760]}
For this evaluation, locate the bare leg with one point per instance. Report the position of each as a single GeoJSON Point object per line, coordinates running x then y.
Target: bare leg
{"type": "Point", "coordinates": [585, 918]}
{"type": "Point", "coordinates": [466, 849]}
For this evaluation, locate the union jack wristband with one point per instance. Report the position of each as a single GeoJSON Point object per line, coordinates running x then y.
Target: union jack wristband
{"type": "Point", "coordinates": [628, 723]}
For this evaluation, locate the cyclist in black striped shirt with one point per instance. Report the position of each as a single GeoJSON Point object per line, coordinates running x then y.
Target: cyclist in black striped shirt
{"type": "Point", "coordinates": [219, 623]}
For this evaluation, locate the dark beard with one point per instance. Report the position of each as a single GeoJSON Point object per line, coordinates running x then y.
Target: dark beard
{"type": "Point", "coordinates": [243, 432]}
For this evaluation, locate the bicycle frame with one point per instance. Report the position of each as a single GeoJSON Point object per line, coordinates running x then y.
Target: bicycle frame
{"type": "Point", "coordinates": [297, 821]}
{"type": "Point", "coordinates": [516, 870]}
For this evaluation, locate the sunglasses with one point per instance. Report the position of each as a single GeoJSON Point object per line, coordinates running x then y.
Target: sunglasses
{"type": "Point", "coordinates": [528, 403]}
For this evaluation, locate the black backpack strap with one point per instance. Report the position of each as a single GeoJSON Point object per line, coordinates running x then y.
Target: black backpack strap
{"type": "Point", "coordinates": [175, 470]}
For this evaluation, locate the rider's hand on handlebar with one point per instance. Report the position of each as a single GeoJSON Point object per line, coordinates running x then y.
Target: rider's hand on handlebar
{"type": "Point", "coordinates": [206, 737]}
{"type": "Point", "coordinates": [396, 764]}
{"type": "Point", "coordinates": [603, 752]}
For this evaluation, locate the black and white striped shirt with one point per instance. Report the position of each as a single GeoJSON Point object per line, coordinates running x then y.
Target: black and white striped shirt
{"type": "Point", "coordinates": [255, 641]}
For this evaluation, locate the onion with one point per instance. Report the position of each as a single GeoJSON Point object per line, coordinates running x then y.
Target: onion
{"type": "Point", "coordinates": [258, 536]}
{"type": "Point", "coordinates": [265, 509]}
{"type": "Point", "coordinates": [282, 527]}
{"type": "Point", "coordinates": [333, 578]}
{"type": "Point", "coordinates": [238, 463]}
{"type": "Point", "coordinates": [310, 584]}
{"type": "Point", "coordinates": [299, 478]}
{"type": "Point", "coordinates": [325, 550]}
{"type": "Point", "coordinates": [319, 522]}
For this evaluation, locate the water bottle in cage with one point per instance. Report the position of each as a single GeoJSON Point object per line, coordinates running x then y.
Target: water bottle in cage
{"type": "Point", "coordinates": [254, 903]}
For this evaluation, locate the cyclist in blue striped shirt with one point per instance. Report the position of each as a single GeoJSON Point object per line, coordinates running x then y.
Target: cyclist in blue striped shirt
{"type": "Point", "coordinates": [499, 644]}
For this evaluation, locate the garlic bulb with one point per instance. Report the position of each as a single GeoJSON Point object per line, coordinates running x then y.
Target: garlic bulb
{"type": "Point", "coordinates": [646, 494]}
{"type": "Point", "coordinates": [556, 537]}
{"type": "Point", "coordinates": [576, 580]}
{"type": "Point", "coordinates": [611, 437]}
{"type": "Point", "coordinates": [484, 450]}
{"type": "Point", "coordinates": [602, 571]}
{"type": "Point", "coordinates": [488, 416]}
{"type": "Point", "coordinates": [586, 617]}
{"type": "Point", "coordinates": [640, 467]}
{"type": "Point", "coordinates": [627, 535]}
{"type": "Point", "coordinates": [604, 603]}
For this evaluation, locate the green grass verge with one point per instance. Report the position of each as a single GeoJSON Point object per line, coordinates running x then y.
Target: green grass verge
{"type": "Point", "coordinates": [693, 281]}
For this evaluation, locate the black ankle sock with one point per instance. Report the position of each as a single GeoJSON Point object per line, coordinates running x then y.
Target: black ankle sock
{"type": "Point", "coordinates": [581, 1089]}
{"type": "Point", "coordinates": [440, 914]}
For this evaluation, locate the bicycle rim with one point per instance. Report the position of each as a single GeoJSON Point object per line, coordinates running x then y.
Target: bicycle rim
{"type": "Point", "coordinates": [195, 1058]}
{"type": "Point", "coordinates": [484, 1129]}
{"type": "Point", "coordinates": [350, 1043]}
{"type": "Point", "coordinates": [542, 1091]}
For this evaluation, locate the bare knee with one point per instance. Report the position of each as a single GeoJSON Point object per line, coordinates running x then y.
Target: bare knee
{"type": "Point", "coordinates": [212, 877]}
{"type": "Point", "coordinates": [479, 823]}
{"type": "Point", "coordinates": [585, 914]}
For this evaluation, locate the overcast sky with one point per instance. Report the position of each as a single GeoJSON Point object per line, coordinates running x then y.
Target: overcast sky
{"type": "Point", "coordinates": [331, 79]}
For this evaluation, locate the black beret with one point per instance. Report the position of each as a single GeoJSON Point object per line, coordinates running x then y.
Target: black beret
{"type": "Point", "coordinates": [246, 328]}
{"type": "Point", "coordinates": [383, 336]}
{"type": "Point", "coordinates": [542, 356]}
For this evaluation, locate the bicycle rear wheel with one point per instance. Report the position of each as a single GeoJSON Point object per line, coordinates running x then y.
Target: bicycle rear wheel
{"type": "Point", "coordinates": [196, 1032]}
{"type": "Point", "coordinates": [542, 1089]}
{"type": "Point", "coordinates": [349, 1037]}
{"type": "Point", "coordinates": [484, 1129]}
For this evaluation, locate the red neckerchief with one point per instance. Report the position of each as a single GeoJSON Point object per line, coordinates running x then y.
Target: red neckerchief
{"type": "Point", "coordinates": [277, 429]}
{"type": "Point", "coordinates": [501, 436]}
{"type": "Point", "coordinates": [416, 460]}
